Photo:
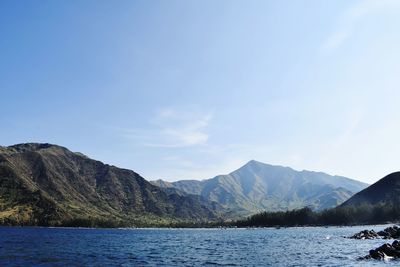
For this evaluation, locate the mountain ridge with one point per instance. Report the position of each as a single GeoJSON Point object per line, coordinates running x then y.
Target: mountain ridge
{"type": "Point", "coordinates": [384, 191]}
{"type": "Point", "coordinates": [258, 186]}
{"type": "Point", "coordinates": [45, 184]}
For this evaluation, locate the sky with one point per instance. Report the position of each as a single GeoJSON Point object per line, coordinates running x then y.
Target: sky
{"type": "Point", "coordinates": [192, 89]}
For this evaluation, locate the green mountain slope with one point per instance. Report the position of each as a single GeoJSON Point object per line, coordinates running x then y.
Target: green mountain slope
{"type": "Point", "coordinates": [43, 184]}
{"type": "Point", "coordinates": [384, 191]}
{"type": "Point", "coordinates": [257, 186]}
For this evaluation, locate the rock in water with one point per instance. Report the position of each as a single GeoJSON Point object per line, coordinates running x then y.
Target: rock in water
{"type": "Point", "coordinates": [392, 232]}
{"type": "Point", "coordinates": [366, 234]}
{"type": "Point", "coordinates": [384, 252]}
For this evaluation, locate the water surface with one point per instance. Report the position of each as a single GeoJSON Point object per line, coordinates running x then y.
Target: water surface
{"type": "Point", "coordinates": [308, 246]}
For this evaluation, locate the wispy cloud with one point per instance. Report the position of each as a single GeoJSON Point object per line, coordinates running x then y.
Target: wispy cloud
{"type": "Point", "coordinates": [206, 162]}
{"type": "Point", "coordinates": [335, 40]}
{"type": "Point", "coordinates": [171, 128]}
{"type": "Point", "coordinates": [343, 139]}
{"type": "Point", "coordinates": [347, 22]}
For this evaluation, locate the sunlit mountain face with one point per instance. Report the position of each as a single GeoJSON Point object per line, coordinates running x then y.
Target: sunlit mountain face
{"type": "Point", "coordinates": [258, 186]}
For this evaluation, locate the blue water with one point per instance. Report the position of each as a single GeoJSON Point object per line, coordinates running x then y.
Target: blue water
{"type": "Point", "coordinates": [309, 246]}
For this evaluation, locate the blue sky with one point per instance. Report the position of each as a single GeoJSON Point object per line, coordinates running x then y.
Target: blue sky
{"type": "Point", "coordinates": [192, 89]}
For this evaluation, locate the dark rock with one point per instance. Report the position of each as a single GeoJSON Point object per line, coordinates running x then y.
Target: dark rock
{"type": "Point", "coordinates": [368, 257]}
{"type": "Point", "coordinates": [383, 234]}
{"type": "Point", "coordinates": [366, 234]}
{"type": "Point", "coordinates": [392, 232]}
{"type": "Point", "coordinates": [376, 254]}
{"type": "Point", "coordinates": [389, 250]}
{"type": "Point", "coordinates": [384, 251]}
{"type": "Point", "coordinates": [396, 244]}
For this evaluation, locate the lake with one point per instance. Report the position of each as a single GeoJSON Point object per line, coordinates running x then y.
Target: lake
{"type": "Point", "coordinates": [300, 246]}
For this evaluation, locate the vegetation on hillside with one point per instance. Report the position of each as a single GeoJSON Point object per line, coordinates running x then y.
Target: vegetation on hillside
{"type": "Point", "coordinates": [48, 185]}
{"type": "Point", "coordinates": [348, 215]}
{"type": "Point", "coordinates": [258, 186]}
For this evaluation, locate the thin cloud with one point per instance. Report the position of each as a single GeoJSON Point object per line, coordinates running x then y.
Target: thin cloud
{"type": "Point", "coordinates": [346, 23]}
{"type": "Point", "coordinates": [171, 128]}
{"type": "Point", "coordinates": [209, 161]}
{"type": "Point", "coordinates": [335, 40]}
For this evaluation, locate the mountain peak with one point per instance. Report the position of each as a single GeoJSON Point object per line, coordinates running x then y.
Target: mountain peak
{"type": "Point", "coordinates": [259, 186]}
{"type": "Point", "coordinates": [258, 165]}
{"type": "Point", "coordinates": [32, 146]}
{"type": "Point", "coordinates": [39, 147]}
{"type": "Point", "coordinates": [253, 161]}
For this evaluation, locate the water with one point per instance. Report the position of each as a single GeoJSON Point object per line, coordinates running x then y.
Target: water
{"type": "Point", "coordinates": [309, 246]}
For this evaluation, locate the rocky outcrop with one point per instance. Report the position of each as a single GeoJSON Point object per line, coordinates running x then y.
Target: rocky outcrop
{"type": "Point", "coordinates": [366, 234]}
{"type": "Point", "coordinates": [392, 232]}
{"type": "Point", "coordinates": [384, 252]}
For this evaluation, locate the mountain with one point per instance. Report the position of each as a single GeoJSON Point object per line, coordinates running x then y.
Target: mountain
{"type": "Point", "coordinates": [44, 184]}
{"type": "Point", "coordinates": [258, 186]}
{"type": "Point", "coordinates": [385, 191]}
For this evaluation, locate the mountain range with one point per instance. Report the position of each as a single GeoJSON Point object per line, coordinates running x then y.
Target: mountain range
{"type": "Point", "coordinates": [44, 184]}
{"type": "Point", "coordinates": [259, 187]}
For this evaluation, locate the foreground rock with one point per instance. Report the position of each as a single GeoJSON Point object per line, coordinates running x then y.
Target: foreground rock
{"type": "Point", "coordinates": [392, 232]}
{"type": "Point", "coordinates": [384, 252]}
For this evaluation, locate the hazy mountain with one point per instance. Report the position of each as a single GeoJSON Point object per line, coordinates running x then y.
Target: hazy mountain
{"type": "Point", "coordinates": [257, 186]}
{"type": "Point", "coordinates": [48, 184]}
{"type": "Point", "coordinates": [386, 190]}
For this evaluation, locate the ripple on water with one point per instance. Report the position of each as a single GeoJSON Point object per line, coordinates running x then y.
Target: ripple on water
{"type": "Point", "coordinates": [184, 247]}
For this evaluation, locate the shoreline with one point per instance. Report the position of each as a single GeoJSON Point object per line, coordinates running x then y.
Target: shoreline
{"type": "Point", "coordinates": [192, 228]}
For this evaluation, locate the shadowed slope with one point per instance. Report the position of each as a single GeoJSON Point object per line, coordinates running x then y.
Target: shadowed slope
{"type": "Point", "coordinates": [48, 184]}
{"type": "Point", "coordinates": [385, 191]}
